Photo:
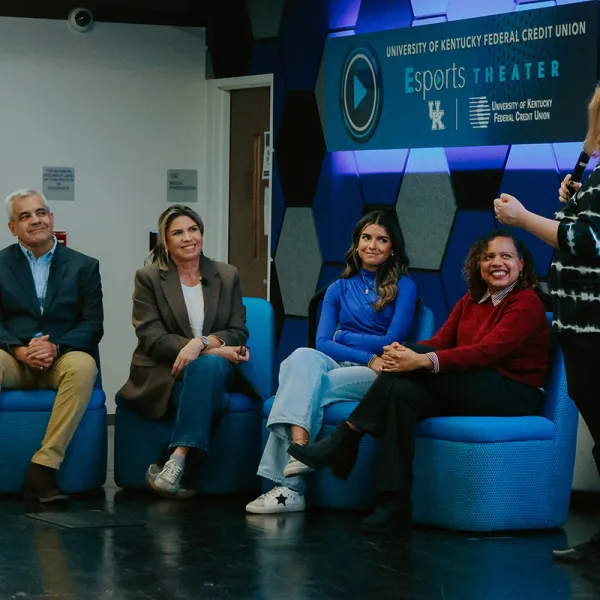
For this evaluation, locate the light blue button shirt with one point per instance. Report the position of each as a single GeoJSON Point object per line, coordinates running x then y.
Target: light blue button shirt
{"type": "Point", "coordinates": [40, 269]}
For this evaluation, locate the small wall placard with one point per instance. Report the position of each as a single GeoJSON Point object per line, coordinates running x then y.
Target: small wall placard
{"type": "Point", "coordinates": [58, 183]}
{"type": "Point", "coordinates": [182, 185]}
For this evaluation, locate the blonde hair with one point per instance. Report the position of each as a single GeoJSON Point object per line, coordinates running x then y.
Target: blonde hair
{"type": "Point", "coordinates": [160, 253]}
{"type": "Point", "coordinates": [592, 140]}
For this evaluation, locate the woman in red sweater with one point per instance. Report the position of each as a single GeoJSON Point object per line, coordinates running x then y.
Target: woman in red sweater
{"type": "Point", "coordinates": [490, 358]}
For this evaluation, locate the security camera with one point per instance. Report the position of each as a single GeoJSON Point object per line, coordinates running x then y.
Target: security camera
{"type": "Point", "coordinates": [81, 19]}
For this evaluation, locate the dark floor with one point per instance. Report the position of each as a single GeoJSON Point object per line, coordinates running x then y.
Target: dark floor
{"type": "Point", "coordinates": [210, 548]}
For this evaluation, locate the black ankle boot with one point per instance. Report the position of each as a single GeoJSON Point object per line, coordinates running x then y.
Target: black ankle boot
{"type": "Point", "coordinates": [338, 450]}
{"type": "Point", "coordinates": [392, 512]}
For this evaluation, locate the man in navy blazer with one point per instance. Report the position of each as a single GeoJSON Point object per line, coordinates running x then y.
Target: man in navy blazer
{"type": "Point", "coordinates": [50, 322]}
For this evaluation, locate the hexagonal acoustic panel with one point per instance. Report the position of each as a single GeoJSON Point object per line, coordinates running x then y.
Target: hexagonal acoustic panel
{"type": "Point", "coordinates": [379, 15]}
{"type": "Point", "coordinates": [426, 207]}
{"type": "Point", "coordinates": [338, 205]}
{"type": "Point", "coordinates": [298, 260]}
{"type": "Point", "coordinates": [300, 148]}
{"type": "Point", "coordinates": [265, 16]}
{"type": "Point", "coordinates": [343, 14]}
{"type": "Point", "coordinates": [469, 9]}
{"type": "Point", "coordinates": [476, 174]}
{"type": "Point", "coordinates": [380, 174]}
{"type": "Point", "coordinates": [429, 8]}
{"type": "Point", "coordinates": [302, 36]}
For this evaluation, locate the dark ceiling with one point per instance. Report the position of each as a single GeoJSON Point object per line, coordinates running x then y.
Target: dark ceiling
{"type": "Point", "coordinates": [185, 13]}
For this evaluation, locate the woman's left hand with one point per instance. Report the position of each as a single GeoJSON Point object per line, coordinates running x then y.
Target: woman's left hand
{"type": "Point", "coordinates": [234, 354]}
{"type": "Point", "coordinates": [509, 210]}
{"type": "Point", "coordinates": [400, 359]}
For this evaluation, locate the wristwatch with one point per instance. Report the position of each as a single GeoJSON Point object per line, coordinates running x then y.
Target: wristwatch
{"type": "Point", "coordinates": [205, 341]}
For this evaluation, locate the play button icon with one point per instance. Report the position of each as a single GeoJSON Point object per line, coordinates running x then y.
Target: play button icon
{"type": "Point", "coordinates": [360, 91]}
{"type": "Point", "coordinates": [360, 94]}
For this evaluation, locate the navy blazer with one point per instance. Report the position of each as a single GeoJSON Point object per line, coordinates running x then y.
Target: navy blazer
{"type": "Point", "coordinates": [73, 315]}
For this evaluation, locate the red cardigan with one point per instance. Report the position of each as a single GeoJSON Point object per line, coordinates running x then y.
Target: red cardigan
{"type": "Point", "coordinates": [512, 338]}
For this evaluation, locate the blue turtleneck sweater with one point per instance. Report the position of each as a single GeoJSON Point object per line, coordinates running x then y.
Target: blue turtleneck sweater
{"type": "Point", "coordinates": [362, 332]}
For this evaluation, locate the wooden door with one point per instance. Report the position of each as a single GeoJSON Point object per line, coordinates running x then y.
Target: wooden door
{"type": "Point", "coordinates": [248, 247]}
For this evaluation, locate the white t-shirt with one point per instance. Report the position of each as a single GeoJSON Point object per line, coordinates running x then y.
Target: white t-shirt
{"type": "Point", "coordinates": [194, 302]}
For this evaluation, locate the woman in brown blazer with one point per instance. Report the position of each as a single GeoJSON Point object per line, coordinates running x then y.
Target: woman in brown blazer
{"type": "Point", "coordinates": [191, 328]}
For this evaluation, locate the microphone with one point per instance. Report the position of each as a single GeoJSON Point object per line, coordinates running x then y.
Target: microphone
{"type": "Point", "coordinates": [577, 174]}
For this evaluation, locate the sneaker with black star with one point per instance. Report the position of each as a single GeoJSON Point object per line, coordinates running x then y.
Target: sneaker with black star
{"type": "Point", "coordinates": [278, 500]}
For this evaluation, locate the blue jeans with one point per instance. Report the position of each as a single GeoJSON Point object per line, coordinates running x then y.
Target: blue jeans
{"type": "Point", "coordinates": [200, 396]}
{"type": "Point", "coordinates": [308, 381]}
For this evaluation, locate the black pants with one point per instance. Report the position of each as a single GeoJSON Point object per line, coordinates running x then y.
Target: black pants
{"type": "Point", "coordinates": [580, 352]}
{"type": "Point", "coordinates": [396, 402]}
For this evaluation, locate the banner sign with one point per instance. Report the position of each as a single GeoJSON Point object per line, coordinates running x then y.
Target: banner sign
{"type": "Point", "coordinates": [519, 78]}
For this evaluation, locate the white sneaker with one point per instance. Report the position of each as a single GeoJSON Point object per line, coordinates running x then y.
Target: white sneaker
{"type": "Point", "coordinates": [295, 467]}
{"type": "Point", "coordinates": [278, 500]}
{"type": "Point", "coordinates": [151, 474]}
{"type": "Point", "coordinates": [167, 481]}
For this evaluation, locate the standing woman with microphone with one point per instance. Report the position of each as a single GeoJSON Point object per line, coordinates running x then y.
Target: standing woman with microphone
{"type": "Point", "coordinates": [574, 282]}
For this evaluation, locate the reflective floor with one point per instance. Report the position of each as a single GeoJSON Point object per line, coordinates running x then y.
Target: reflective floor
{"type": "Point", "coordinates": [209, 548]}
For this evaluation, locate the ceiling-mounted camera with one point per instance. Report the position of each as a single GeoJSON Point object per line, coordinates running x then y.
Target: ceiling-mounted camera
{"type": "Point", "coordinates": [81, 20]}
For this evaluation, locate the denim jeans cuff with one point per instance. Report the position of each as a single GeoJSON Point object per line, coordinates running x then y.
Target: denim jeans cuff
{"type": "Point", "coordinates": [184, 444]}
{"type": "Point", "coordinates": [280, 480]}
{"type": "Point", "coordinates": [288, 422]}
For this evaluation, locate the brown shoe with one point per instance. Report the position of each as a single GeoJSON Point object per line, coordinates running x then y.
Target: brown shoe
{"type": "Point", "coordinates": [40, 483]}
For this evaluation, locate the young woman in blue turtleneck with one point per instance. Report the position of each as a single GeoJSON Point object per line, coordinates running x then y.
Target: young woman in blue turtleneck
{"type": "Point", "coordinates": [372, 305]}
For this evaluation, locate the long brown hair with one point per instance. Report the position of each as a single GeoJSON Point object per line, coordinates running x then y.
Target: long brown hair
{"type": "Point", "coordinates": [389, 272]}
{"type": "Point", "coordinates": [160, 253]}
{"type": "Point", "coordinates": [472, 268]}
{"type": "Point", "coordinates": [592, 140]}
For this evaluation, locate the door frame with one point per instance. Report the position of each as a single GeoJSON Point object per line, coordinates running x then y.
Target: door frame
{"type": "Point", "coordinates": [218, 146]}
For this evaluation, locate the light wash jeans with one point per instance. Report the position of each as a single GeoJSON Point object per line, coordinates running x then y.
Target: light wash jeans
{"type": "Point", "coordinates": [308, 381]}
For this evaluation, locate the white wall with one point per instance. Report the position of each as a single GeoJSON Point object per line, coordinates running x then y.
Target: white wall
{"type": "Point", "coordinates": [121, 104]}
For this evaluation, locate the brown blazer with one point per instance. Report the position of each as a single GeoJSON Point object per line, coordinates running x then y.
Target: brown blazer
{"type": "Point", "coordinates": [163, 328]}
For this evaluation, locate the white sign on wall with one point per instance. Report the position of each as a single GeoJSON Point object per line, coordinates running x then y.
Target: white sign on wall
{"type": "Point", "coordinates": [182, 185]}
{"type": "Point", "coordinates": [58, 183]}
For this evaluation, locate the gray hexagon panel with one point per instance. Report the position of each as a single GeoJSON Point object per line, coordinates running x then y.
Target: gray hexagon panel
{"type": "Point", "coordinates": [298, 260]}
{"type": "Point", "coordinates": [265, 16]}
{"type": "Point", "coordinates": [426, 207]}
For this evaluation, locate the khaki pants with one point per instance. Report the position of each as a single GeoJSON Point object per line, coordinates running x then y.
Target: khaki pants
{"type": "Point", "coordinates": [73, 375]}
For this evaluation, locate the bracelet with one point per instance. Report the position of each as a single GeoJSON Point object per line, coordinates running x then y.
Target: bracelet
{"type": "Point", "coordinates": [372, 359]}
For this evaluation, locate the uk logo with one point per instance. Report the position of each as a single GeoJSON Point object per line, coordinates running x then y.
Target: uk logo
{"type": "Point", "coordinates": [436, 114]}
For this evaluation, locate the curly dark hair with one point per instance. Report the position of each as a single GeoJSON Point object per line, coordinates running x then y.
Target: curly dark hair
{"type": "Point", "coordinates": [472, 269]}
{"type": "Point", "coordinates": [389, 272]}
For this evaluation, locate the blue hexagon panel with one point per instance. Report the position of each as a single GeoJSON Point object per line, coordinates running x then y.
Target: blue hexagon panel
{"type": "Point", "coordinates": [430, 20]}
{"type": "Point", "coordinates": [467, 228]}
{"type": "Point", "coordinates": [329, 273]}
{"type": "Point", "coordinates": [342, 14]}
{"type": "Point", "coordinates": [379, 15]}
{"type": "Point", "coordinates": [534, 5]}
{"type": "Point", "coordinates": [338, 205]}
{"type": "Point", "coordinates": [468, 9]}
{"type": "Point", "coordinates": [277, 206]}
{"type": "Point", "coordinates": [302, 38]}
{"type": "Point", "coordinates": [567, 155]}
{"type": "Point", "coordinates": [293, 335]}
{"type": "Point", "coordinates": [431, 292]}
{"type": "Point", "coordinates": [380, 174]}
{"type": "Point", "coordinates": [429, 8]}
{"type": "Point", "coordinates": [531, 175]}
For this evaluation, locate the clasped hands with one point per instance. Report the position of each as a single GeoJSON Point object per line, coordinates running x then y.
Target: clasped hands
{"type": "Point", "coordinates": [195, 347]}
{"type": "Point", "coordinates": [39, 354]}
{"type": "Point", "coordinates": [397, 358]}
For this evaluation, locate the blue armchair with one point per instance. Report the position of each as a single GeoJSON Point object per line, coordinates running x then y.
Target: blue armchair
{"type": "Point", "coordinates": [24, 416]}
{"type": "Point", "coordinates": [236, 445]}
{"type": "Point", "coordinates": [499, 473]}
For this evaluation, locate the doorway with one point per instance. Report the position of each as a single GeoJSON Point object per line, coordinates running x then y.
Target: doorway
{"type": "Point", "coordinates": [248, 249]}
